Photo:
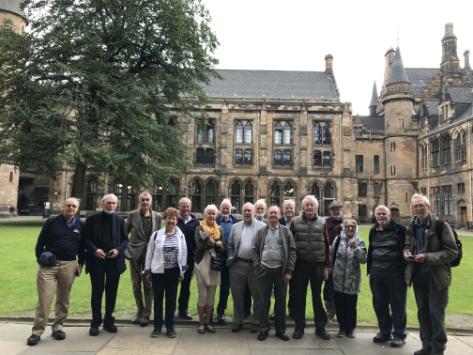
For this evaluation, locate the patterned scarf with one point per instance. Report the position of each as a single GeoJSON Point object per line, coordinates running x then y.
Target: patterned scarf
{"type": "Point", "coordinates": [212, 231]}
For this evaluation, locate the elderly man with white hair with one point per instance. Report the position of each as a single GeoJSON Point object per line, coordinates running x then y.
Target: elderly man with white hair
{"type": "Point", "coordinates": [106, 240]}
{"type": "Point", "coordinates": [312, 265]}
{"type": "Point", "coordinates": [386, 269]}
{"type": "Point", "coordinates": [260, 211]}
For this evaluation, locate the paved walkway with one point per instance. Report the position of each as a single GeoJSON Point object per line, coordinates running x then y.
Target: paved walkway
{"type": "Point", "coordinates": [131, 340]}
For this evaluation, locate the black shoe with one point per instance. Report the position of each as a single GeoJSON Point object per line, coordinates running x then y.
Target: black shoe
{"type": "Point", "coordinates": [382, 338]}
{"type": "Point", "coordinates": [144, 321]}
{"type": "Point", "coordinates": [298, 334]}
{"type": "Point", "coordinates": [185, 316]}
{"type": "Point", "coordinates": [59, 335]}
{"type": "Point", "coordinates": [110, 327]}
{"type": "Point", "coordinates": [220, 319]}
{"type": "Point", "coordinates": [33, 340]}
{"type": "Point", "coordinates": [422, 351]}
{"type": "Point", "coordinates": [237, 327]}
{"type": "Point", "coordinates": [156, 332]}
{"type": "Point", "coordinates": [282, 336]}
{"type": "Point", "coordinates": [254, 328]}
{"type": "Point", "coordinates": [93, 331]}
{"type": "Point", "coordinates": [322, 334]}
{"type": "Point", "coordinates": [262, 335]}
{"type": "Point", "coordinates": [137, 319]}
{"type": "Point", "coordinates": [397, 343]}
{"type": "Point", "coordinates": [171, 333]}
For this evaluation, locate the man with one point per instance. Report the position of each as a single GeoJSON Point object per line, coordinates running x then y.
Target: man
{"type": "Point", "coordinates": [333, 227]}
{"type": "Point", "coordinates": [187, 223]}
{"type": "Point", "coordinates": [260, 211]}
{"type": "Point", "coordinates": [386, 269]}
{"type": "Point", "coordinates": [61, 239]}
{"type": "Point", "coordinates": [429, 248]}
{"type": "Point", "coordinates": [226, 221]}
{"type": "Point", "coordinates": [240, 263]}
{"type": "Point", "coordinates": [141, 224]}
{"type": "Point", "coordinates": [106, 241]}
{"type": "Point", "coordinates": [312, 265]}
{"type": "Point", "coordinates": [274, 259]}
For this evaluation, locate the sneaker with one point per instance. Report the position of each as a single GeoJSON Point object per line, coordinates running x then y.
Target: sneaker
{"type": "Point", "coordinates": [201, 329]}
{"type": "Point", "coordinates": [171, 333]}
{"type": "Point", "coordinates": [322, 334]}
{"type": "Point", "coordinates": [262, 335]}
{"type": "Point", "coordinates": [237, 327]}
{"type": "Point", "coordinates": [210, 328]}
{"type": "Point", "coordinates": [397, 343]}
{"type": "Point", "coordinates": [298, 333]}
{"type": "Point", "coordinates": [350, 334]}
{"type": "Point", "coordinates": [156, 333]}
{"type": "Point", "coordinates": [282, 336]}
{"type": "Point", "coordinates": [33, 340]}
{"type": "Point", "coordinates": [58, 335]}
{"type": "Point", "coordinates": [340, 334]}
{"type": "Point", "coordinates": [93, 331]}
{"type": "Point", "coordinates": [382, 338]}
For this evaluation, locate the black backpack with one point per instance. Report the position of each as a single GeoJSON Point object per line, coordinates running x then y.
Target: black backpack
{"type": "Point", "coordinates": [438, 232]}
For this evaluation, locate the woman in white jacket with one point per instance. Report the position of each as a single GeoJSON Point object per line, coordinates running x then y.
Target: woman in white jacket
{"type": "Point", "coordinates": [166, 262]}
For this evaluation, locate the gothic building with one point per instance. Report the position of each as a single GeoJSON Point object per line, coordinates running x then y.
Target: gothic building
{"type": "Point", "coordinates": [285, 134]}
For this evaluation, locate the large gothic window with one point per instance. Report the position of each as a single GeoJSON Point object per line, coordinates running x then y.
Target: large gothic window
{"type": "Point", "coordinates": [445, 157]}
{"type": "Point", "coordinates": [235, 195]}
{"type": "Point", "coordinates": [282, 153]}
{"type": "Point", "coordinates": [275, 197]}
{"type": "Point", "coordinates": [211, 192]}
{"type": "Point", "coordinates": [243, 154]}
{"type": "Point", "coordinates": [460, 148]}
{"type": "Point", "coordinates": [205, 147]}
{"type": "Point", "coordinates": [166, 196]}
{"type": "Point", "coordinates": [322, 139]}
{"type": "Point", "coordinates": [329, 196]}
{"type": "Point", "coordinates": [196, 195]}
{"type": "Point", "coordinates": [435, 149]}
{"type": "Point", "coordinates": [249, 192]}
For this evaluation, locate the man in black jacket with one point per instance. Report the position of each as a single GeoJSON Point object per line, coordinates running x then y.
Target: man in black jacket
{"type": "Point", "coordinates": [106, 240]}
{"type": "Point", "coordinates": [386, 269]}
{"type": "Point", "coordinates": [187, 223]}
{"type": "Point", "coordinates": [61, 236]}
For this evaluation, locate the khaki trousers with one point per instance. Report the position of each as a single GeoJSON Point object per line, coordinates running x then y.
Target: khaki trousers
{"type": "Point", "coordinates": [50, 281]}
{"type": "Point", "coordinates": [136, 270]}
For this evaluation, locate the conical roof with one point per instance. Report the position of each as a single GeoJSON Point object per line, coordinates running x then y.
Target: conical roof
{"type": "Point", "coordinates": [12, 6]}
{"type": "Point", "coordinates": [398, 72]}
{"type": "Point", "coordinates": [374, 96]}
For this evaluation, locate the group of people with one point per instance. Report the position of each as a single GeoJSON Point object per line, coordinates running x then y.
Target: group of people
{"type": "Point", "coordinates": [255, 259]}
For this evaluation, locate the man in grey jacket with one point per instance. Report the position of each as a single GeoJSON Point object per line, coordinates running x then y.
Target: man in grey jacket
{"type": "Point", "coordinates": [274, 259]}
{"type": "Point", "coordinates": [240, 263]}
{"type": "Point", "coordinates": [141, 223]}
{"type": "Point", "coordinates": [429, 249]}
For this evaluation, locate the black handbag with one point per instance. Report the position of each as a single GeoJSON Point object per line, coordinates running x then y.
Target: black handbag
{"type": "Point", "coordinates": [218, 260]}
{"type": "Point", "coordinates": [47, 259]}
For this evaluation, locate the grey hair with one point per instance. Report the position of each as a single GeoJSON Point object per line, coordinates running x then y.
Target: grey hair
{"type": "Point", "coordinates": [211, 208]}
{"type": "Point", "coordinates": [107, 197]}
{"type": "Point", "coordinates": [275, 206]}
{"type": "Point", "coordinates": [261, 202]}
{"type": "Point", "coordinates": [226, 201]}
{"type": "Point", "coordinates": [249, 204]}
{"type": "Point", "coordinates": [287, 202]}
{"type": "Point", "coordinates": [418, 196]}
{"type": "Point", "coordinates": [73, 198]}
{"type": "Point", "coordinates": [144, 194]}
{"type": "Point", "coordinates": [382, 207]}
{"type": "Point", "coordinates": [310, 198]}
{"type": "Point", "coordinates": [185, 200]}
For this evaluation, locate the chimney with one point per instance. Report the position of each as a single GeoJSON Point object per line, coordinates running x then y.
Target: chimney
{"type": "Point", "coordinates": [329, 64]}
{"type": "Point", "coordinates": [467, 60]}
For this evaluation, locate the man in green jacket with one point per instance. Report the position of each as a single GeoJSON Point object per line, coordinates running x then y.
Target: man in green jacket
{"type": "Point", "coordinates": [429, 255]}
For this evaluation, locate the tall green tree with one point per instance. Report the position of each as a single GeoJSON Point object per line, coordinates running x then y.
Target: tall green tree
{"type": "Point", "coordinates": [94, 82]}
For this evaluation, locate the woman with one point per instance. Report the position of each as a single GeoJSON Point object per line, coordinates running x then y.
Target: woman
{"type": "Point", "coordinates": [166, 262]}
{"type": "Point", "coordinates": [348, 252]}
{"type": "Point", "coordinates": [209, 245]}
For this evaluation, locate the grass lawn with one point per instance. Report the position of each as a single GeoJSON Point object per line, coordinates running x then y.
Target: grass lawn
{"type": "Point", "coordinates": [18, 284]}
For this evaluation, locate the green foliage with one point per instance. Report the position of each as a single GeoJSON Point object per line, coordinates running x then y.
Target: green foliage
{"type": "Point", "coordinates": [94, 84]}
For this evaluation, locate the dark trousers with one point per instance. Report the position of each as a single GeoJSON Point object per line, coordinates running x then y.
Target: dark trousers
{"type": "Point", "coordinates": [431, 304]}
{"type": "Point", "coordinates": [272, 279]}
{"type": "Point", "coordinates": [185, 292]}
{"type": "Point", "coordinates": [329, 296]}
{"type": "Point", "coordinates": [290, 302]}
{"type": "Point", "coordinates": [165, 285]}
{"type": "Point", "coordinates": [306, 272]}
{"type": "Point", "coordinates": [103, 276]}
{"type": "Point", "coordinates": [224, 290]}
{"type": "Point", "coordinates": [389, 302]}
{"type": "Point", "coordinates": [345, 308]}
{"type": "Point", "coordinates": [247, 302]}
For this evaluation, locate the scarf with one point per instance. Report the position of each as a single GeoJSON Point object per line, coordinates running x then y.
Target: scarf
{"type": "Point", "coordinates": [212, 231]}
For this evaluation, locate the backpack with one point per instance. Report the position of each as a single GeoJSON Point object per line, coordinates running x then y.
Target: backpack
{"type": "Point", "coordinates": [438, 232]}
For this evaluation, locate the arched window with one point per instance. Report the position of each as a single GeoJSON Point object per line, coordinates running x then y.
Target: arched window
{"type": "Point", "coordinates": [435, 153]}
{"type": "Point", "coordinates": [210, 133]}
{"type": "Point", "coordinates": [278, 133]}
{"type": "Point", "coordinates": [239, 132]}
{"type": "Point", "coordinates": [317, 133]}
{"type": "Point", "coordinates": [205, 132]}
{"type": "Point", "coordinates": [166, 196]}
{"type": "Point", "coordinates": [196, 195]}
{"type": "Point", "coordinates": [445, 143]}
{"type": "Point", "coordinates": [289, 191]}
{"type": "Point", "coordinates": [287, 133]}
{"type": "Point", "coordinates": [235, 195]}
{"type": "Point", "coordinates": [249, 192]}
{"type": "Point", "coordinates": [248, 132]}
{"type": "Point", "coordinates": [329, 196]}
{"type": "Point", "coordinates": [315, 190]}
{"type": "Point", "coordinates": [211, 192]}
{"type": "Point", "coordinates": [275, 194]}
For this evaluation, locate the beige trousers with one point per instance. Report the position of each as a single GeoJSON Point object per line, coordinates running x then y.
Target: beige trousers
{"type": "Point", "coordinates": [56, 280]}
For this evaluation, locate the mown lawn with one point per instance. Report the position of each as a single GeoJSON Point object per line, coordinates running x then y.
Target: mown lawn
{"type": "Point", "coordinates": [18, 283]}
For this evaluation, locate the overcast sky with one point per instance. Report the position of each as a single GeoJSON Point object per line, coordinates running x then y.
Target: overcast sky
{"type": "Point", "coordinates": [297, 34]}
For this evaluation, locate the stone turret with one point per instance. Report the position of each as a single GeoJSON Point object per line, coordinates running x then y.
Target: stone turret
{"type": "Point", "coordinates": [450, 63]}
{"type": "Point", "coordinates": [374, 100]}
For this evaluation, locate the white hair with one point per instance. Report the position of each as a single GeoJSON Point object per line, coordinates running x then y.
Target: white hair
{"type": "Point", "coordinates": [248, 204]}
{"type": "Point", "coordinates": [108, 197]}
{"type": "Point", "coordinates": [185, 200]}
{"type": "Point", "coordinates": [310, 198]}
{"type": "Point", "coordinates": [211, 208]}
{"type": "Point", "coordinates": [382, 207]}
{"type": "Point", "coordinates": [261, 202]}
{"type": "Point", "coordinates": [289, 202]}
{"type": "Point", "coordinates": [418, 196]}
{"type": "Point", "coordinates": [226, 201]}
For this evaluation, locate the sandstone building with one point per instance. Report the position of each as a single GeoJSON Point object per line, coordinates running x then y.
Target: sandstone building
{"type": "Point", "coordinates": [285, 134]}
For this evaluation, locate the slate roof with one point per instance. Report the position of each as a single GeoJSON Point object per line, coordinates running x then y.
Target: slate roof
{"type": "Point", "coordinates": [398, 72]}
{"type": "Point", "coordinates": [420, 77]}
{"type": "Point", "coordinates": [373, 124]}
{"type": "Point", "coordinates": [273, 84]}
{"type": "Point", "coordinates": [12, 6]}
{"type": "Point", "coordinates": [431, 106]}
{"type": "Point", "coordinates": [460, 94]}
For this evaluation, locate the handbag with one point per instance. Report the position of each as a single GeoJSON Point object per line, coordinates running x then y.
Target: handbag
{"type": "Point", "coordinates": [217, 260]}
{"type": "Point", "coordinates": [47, 259]}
